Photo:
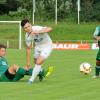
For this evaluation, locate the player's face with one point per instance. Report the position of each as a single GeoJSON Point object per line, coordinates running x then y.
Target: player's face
{"type": "Point", "coordinates": [2, 52]}
{"type": "Point", "coordinates": [27, 28]}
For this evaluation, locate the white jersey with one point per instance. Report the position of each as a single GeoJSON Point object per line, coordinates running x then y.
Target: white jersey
{"type": "Point", "coordinates": [41, 40]}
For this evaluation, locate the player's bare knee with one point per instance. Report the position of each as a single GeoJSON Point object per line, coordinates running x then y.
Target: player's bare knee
{"type": "Point", "coordinates": [15, 66]}
{"type": "Point", "coordinates": [39, 62]}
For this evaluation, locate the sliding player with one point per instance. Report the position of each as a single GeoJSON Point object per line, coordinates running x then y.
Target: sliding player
{"type": "Point", "coordinates": [14, 72]}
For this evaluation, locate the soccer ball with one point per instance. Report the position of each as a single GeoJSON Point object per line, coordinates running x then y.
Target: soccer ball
{"type": "Point", "coordinates": [85, 68]}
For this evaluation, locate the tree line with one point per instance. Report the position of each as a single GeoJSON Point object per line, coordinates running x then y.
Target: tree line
{"type": "Point", "coordinates": [45, 9]}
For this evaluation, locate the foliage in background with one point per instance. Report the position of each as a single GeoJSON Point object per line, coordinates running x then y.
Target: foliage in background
{"type": "Point", "coordinates": [45, 10]}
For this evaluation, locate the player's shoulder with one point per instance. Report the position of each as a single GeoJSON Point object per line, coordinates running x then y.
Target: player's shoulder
{"type": "Point", "coordinates": [98, 27]}
{"type": "Point", "coordinates": [2, 59]}
{"type": "Point", "coordinates": [27, 35]}
{"type": "Point", "coordinates": [37, 27]}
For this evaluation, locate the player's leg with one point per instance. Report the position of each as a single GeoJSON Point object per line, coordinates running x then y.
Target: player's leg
{"type": "Point", "coordinates": [42, 73]}
{"type": "Point", "coordinates": [36, 69]}
{"type": "Point", "coordinates": [45, 73]}
{"type": "Point", "coordinates": [12, 69]}
{"type": "Point", "coordinates": [40, 57]}
{"type": "Point", "coordinates": [6, 76]}
{"type": "Point", "coordinates": [97, 67]}
{"type": "Point", "coordinates": [21, 72]}
{"type": "Point", "coordinates": [10, 73]}
{"type": "Point", "coordinates": [17, 71]}
{"type": "Point", "coordinates": [38, 60]}
{"type": "Point", "coordinates": [45, 53]}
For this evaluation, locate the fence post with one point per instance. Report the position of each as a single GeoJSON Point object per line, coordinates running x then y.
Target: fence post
{"type": "Point", "coordinates": [7, 43]}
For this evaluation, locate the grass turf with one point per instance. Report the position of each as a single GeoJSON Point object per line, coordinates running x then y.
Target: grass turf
{"type": "Point", "coordinates": [61, 31]}
{"type": "Point", "coordinates": [66, 82]}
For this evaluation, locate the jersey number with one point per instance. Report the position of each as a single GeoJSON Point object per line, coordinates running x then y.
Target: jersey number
{"type": "Point", "coordinates": [38, 40]}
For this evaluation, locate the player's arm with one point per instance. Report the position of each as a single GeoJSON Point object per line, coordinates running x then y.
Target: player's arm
{"type": "Point", "coordinates": [43, 30]}
{"type": "Point", "coordinates": [96, 34]}
{"type": "Point", "coordinates": [96, 37]}
{"type": "Point", "coordinates": [28, 53]}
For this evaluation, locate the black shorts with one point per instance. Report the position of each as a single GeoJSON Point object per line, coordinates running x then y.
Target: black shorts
{"type": "Point", "coordinates": [9, 75]}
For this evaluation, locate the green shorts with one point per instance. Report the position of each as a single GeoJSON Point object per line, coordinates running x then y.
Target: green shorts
{"type": "Point", "coordinates": [19, 75]}
{"type": "Point", "coordinates": [98, 55]}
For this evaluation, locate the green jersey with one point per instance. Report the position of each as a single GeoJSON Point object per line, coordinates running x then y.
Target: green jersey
{"type": "Point", "coordinates": [3, 68]}
{"type": "Point", "coordinates": [97, 33]}
{"type": "Point", "coordinates": [3, 65]}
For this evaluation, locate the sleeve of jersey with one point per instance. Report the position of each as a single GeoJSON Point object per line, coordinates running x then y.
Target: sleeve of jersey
{"type": "Point", "coordinates": [0, 62]}
{"type": "Point", "coordinates": [96, 32]}
{"type": "Point", "coordinates": [40, 28]}
{"type": "Point", "coordinates": [28, 40]}
{"type": "Point", "coordinates": [3, 63]}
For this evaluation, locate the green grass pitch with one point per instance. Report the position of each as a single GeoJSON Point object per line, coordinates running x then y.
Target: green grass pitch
{"type": "Point", "coordinates": [66, 82]}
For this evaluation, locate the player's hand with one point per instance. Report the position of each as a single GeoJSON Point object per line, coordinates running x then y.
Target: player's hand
{"type": "Point", "coordinates": [97, 37]}
{"type": "Point", "coordinates": [27, 68]}
{"type": "Point", "coordinates": [34, 33]}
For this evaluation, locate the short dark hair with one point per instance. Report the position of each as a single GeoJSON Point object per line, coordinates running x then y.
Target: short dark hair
{"type": "Point", "coordinates": [24, 21]}
{"type": "Point", "coordinates": [2, 46]}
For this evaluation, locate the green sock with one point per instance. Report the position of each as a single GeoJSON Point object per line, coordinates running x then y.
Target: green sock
{"type": "Point", "coordinates": [97, 69]}
{"type": "Point", "coordinates": [21, 71]}
{"type": "Point", "coordinates": [43, 72]}
{"type": "Point", "coordinates": [19, 74]}
{"type": "Point", "coordinates": [29, 72]}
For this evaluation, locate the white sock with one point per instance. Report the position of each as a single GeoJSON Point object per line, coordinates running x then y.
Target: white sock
{"type": "Point", "coordinates": [35, 72]}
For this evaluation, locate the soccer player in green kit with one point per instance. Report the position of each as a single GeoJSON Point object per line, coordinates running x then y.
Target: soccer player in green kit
{"type": "Point", "coordinates": [97, 37]}
{"type": "Point", "coordinates": [14, 72]}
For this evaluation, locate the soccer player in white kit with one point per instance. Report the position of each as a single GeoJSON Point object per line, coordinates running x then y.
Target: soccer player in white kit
{"type": "Point", "coordinates": [43, 45]}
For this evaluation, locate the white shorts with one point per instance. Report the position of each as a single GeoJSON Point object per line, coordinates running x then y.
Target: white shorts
{"type": "Point", "coordinates": [44, 52]}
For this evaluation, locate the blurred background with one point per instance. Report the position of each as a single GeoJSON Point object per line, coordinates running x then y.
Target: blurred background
{"type": "Point", "coordinates": [45, 10]}
{"type": "Point", "coordinates": [71, 20]}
